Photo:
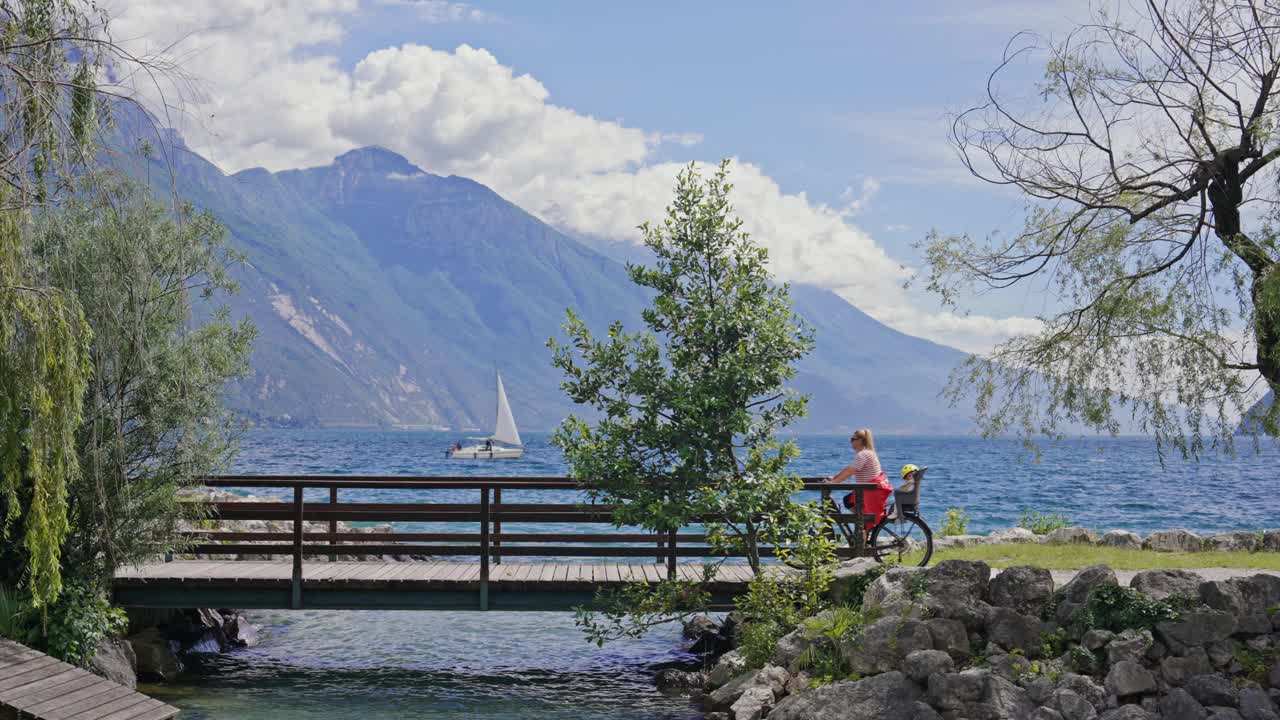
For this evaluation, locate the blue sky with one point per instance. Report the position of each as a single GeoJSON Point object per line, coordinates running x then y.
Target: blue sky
{"type": "Point", "coordinates": [581, 112]}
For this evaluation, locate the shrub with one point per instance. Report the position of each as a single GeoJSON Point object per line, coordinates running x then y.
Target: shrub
{"type": "Point", "coordinates": [79, 620]}
{"type": "Point", "coordinates": [823, 658]}
{"type": "Point", "coordinates": [1116, 608]}
{"type": "Point", "coordinates": [957, 522]}
{"type": "Point", "coordinates": [17, 619]}
{"type": "Point", "coordinates": [774, 606]}
{"type": "Point", "coordinates": [1042, 523]}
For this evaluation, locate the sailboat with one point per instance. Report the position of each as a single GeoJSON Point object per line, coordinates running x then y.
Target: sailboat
{"type": "Point", "coordinates": [503, 444]}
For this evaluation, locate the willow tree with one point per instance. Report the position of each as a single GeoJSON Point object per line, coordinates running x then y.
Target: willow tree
{"type": "Point", "coordinates": [51, 108]}
{"type": "Point", "coordinates": [1146, 156]}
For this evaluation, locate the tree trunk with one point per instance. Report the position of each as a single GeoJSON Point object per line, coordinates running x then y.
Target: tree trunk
{"type": "Point", "coordinates": [1266, 331]}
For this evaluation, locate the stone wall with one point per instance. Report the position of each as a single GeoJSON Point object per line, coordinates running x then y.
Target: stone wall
{"type": "Point", "coordinates": [954, 642]}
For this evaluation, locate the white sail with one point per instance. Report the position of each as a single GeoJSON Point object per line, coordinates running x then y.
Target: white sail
{"type": "Point", "coordinates": [506, 431]}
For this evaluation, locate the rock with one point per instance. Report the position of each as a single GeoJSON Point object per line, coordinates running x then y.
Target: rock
{"type": "Point", "coordinates": [1096, 639]}
{"type": "Point", "coordinates": [1261, 593]}
{"type": "Point", "coordinates": [1085, 688]}
{"type": "Point", "coordinates": [889, 696]}
{"type": "Point", "coordinates": [1178, 703]}
{"type": "Point", "coordinates": [1071, 706]}
{"type": "Point", "coordinates": [1178, 670]}
{"type": "Point", "coordinates": [754, 704]}
{"type": "Point", "coordinates": [1160, 584]}
{"type": "Point", "coordinates": [1074, 535]}
{"type": "Point", "coordinates": [115, 660]}
{"type": "Point", "coordinates": [1255, 704]}
{"type": "Point", "coordinates": [924, 712]}
{"type": "Point", "coordinates": [1224, 595]}
{"type": "Point", "coordinates": [883, 645]}
{"type": "Point", "coordinates": [1235, 541]}
{"type": "Point", "coordinates": [790, 646]}
{"type": "Point", "coordinates": [956, 589]}
{"type": "Point", "coordinates": [1195, 629]}
{"type": "Point", "coordinates": [952, 691]}
{"type": "Point", "coordinates": [1013, 535]}
{"type": "Point", "coordinates": [1130, 645]}
{"type": "Point", "coordinates": [157, 661]}
{"type": "Point", "coordinates": [1221, 652]}
{"type": "Point", "coordinates": [1128, 677]}
{"type": "Point", "coordinates": [730, 665]}
{"type": "Point", "coordinates": [1274, 676]}
{"type": "Point", "coordinates": [1039, 688]}
{"type": "Point", "coordinates": [891, 593]}
{"type": "Point", "coordinates": [1002, 699]}
{"type": "Point", "coordinates": [921, 664]}
{"type": "Point", "coordinates": [798, 683]}
{"type": "Point", "coordinates": [242, 633]}
{"type": "Point", "coordinates": [1212, 689]}
{"type": "Point", "coordinates": [1224, 713]}
{"type": "Point", "coordinates": [1253, 624]}
{"type": "Point", "coordinates": [1122, 539]}
{"type": "Point", "coordinates": [1173, 541]}
{"type": "Point", "coordinates": [1127, 712]}
{"type": "Point", "coordinates": [1021, 587]}
{"type": "Point", "coordinates": [1044, 713]}
{"type": "Point", "coordinates": [950, 637]}
{"type": "Point", "coordinates": [959, 541]}
{"type": "Point", "coordinates": [697, 625]}
{"type": "Point", "coordinates": [771, 677]}
{"type": "Point", "coordinates": [677, 679]}
{"type": "Point", "coordinates": [1075, 594]}
{"type": "Point", "coordinates": [1012, 630]}
{"type": "Point", "coordinates": [1271, 541]}
{"type": "Point", "coordinates": [848, 580]}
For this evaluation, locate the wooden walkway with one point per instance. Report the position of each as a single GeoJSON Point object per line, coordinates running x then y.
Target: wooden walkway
{"type": "Point", "coordinates": [398, 585]}
{"type": "Point", "coordinates": [34, 685]}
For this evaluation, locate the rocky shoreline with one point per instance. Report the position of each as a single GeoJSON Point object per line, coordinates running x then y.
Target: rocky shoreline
{"type": "Point", "coordinates": [1159, 540]}
{"type": "Point", "coordinates": [957, 642]}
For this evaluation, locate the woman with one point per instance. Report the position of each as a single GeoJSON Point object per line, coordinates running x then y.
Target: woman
{"type": "Point", "coordinates": [865, 468]}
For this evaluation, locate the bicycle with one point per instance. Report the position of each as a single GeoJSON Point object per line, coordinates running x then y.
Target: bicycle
{"type": "Point", "coordinates": [897, 535]}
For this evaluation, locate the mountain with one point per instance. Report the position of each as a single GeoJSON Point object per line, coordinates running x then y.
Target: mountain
{"type": "Point", "coordinates": [1253, 416]}
{"type": "Point", "coordinates": [386, 296]}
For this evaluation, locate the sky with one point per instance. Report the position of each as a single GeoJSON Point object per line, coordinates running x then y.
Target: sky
{"type": "Point", "coordinates": [833, 113]}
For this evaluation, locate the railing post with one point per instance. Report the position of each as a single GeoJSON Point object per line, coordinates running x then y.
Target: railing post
{"type": "Point", "coordinates": [485, 518]}
{"type": "Point", "coordinates": [333, 523]}
{"type": "Point", "coordinates": [297, 548]}
{"type": "Point", "coordinates": [661, 545]}
{"type": "Point", "coordinates": [671, 554]}
{"type": "Point", "coordinates": [497, 528]}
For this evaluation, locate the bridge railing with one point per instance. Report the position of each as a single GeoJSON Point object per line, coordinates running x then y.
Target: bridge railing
{"type": "Point", "coordinates": [485, 538]}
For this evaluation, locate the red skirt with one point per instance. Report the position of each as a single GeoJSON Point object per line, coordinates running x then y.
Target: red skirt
{"type": "Point", "coordinates": [873, 501]}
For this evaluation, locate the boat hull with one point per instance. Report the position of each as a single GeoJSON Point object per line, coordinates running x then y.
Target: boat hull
{"type": "Point", "coordinates": [479, 452]}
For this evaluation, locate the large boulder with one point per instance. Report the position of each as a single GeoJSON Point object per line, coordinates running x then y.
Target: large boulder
{"type": "Point", "coordinates": [957, 589]}
{"type": "Point", "coordinates": [1013, 535]}
{"type": "Point", "coordinates": [754, 704]}
{"type": "Point", "coordinates": [897, 592]}
{"type": "Point", "coordinates": [1085, 688]}
{"type": "Point", "coordinates": [1130, 645]}
{"type": "Point", "coordinates": [1160, 584]}
{"type": "Point", "coordinates": [115, 660]}
{"type": "Point", "coordinates": [1195, 629]}
{"type": "Point", "coordinates": [923, 664]}
{"type": "Point", "coordinates": [729, 666]}
{"type": "Point", "coordinates": [1235, 541]}
{"type": "Point", "coordinates": [677, 679]}
{"type": "Point", "coordinates": [1075, 594]}
{"type": "Point", "coordinates": [790, 647]}
{"type": "Point", "coordinates": [771, 677]}
{"type": "Point", "coordinates": [1128, 677]}
{"type": "Point", "coordinates": [1021, 587]}
{"type": "Point", "coordinates": [953, 691]}
{"type": "Point", "coordinates": [1127, 712]}
{"type": "Point", "coordinates": [1012, 630]}
{"type": "Point", "coordinates": [242, 633]}
{"type": "Point", "coordinates": [951, 637]}
{"type": "Point", "coordinates": [884, 645]}
{"type": "Point", "coordinates": [1178, 703]}
{"type": "Point", "coordinates": [1271, 541]}
{"type": "Point", "coordinates": [978, 694]}
{"type": "Point", "coordinates": [1074, 535]}
{"type": "Point", "coordinates": [1070, 705]}
{"type": "Point", "coordinates": [849, 580]}
{"type": "Point", "coordinates": [1176, 671]}
{"type": "Point", "coordinates": [1213, 689]}
{"type": "Point", "coordinates": [1173, 541]}
{"type": "Point", "coordinates": [697, 625]}
{"type": "Point", "coordinates": [889, 696]}
{"type": "Point", "coordinates": [1122, 539]}
{"type": "Point", "coordinates": [156, 656]}
{"type": "Point", "coordinates": [1255, 704]}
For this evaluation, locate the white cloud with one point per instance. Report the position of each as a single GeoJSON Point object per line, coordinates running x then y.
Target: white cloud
{"type": "Point", "coordinates": [273, 94]}
{"type": "Point", "coordinates": [442, 11]}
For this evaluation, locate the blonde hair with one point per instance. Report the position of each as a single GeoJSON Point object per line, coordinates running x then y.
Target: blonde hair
{"type": "Point", "coordinates": [865, 436]}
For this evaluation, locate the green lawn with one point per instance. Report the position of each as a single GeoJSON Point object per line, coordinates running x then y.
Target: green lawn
{"type": "Point", "coordinates": [1069, 557]}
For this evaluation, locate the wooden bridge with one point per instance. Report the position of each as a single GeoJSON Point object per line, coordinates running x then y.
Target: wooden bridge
{"type": "Point", "coordinates": [487, 554]}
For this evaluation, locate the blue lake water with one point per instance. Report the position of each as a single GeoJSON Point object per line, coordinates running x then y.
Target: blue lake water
{"type": "Point", "coordinates": [500, 666]}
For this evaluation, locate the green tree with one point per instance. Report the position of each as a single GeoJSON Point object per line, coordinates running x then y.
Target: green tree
{"type": "Point", "coordinates": [154, 420]}
{"type": "Point", "coordinates": [689, 410]}
{"type": "Point", "coordinates": [1147, 163]}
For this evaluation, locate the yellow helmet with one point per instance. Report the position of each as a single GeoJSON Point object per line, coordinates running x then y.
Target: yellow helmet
{"type": "Point", "coordinates": [908, 469]}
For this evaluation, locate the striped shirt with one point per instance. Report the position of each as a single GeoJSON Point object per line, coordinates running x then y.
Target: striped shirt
{"type": "Point", "coordinates": [866, 466]}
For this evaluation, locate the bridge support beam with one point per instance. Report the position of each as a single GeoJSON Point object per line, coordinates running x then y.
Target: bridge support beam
{"type": "Point", "coordinates": [296, 600]}
{"type": "Point", "coordinates": [485, 518]}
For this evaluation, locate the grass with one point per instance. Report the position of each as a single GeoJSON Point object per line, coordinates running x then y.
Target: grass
{"type": "Point", "coordinates": [1071, 557]}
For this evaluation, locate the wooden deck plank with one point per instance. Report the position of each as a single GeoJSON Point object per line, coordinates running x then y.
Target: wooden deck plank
{"type": "Point", "coordinates": [164, 712]}
{"type": "Point", "coordinates": [133, 711]}
{"type": "Point", "coordinates": [85, 703]}
{"type": "Point", "coordinates": [17, 696]}
{"type": "Point", "coordinates": [22, 674]}
{"type": "Point", "coordinates": [110, 710]}
{"type": "Point", "coordinates": [81, 681]}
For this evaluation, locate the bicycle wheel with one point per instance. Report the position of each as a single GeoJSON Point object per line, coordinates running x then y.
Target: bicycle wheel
{"type": "Point", "coordinates": [894, 541]}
